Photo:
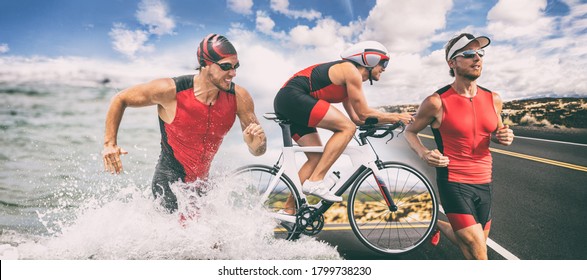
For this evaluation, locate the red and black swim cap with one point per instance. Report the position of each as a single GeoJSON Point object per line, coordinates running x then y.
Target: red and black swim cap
{"type": "Point", "coordinates": [214, 47]}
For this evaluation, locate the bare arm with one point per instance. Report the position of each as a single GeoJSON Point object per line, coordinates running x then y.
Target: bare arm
{"type": "Point", "coordinates": [503, 135]}
{"type": "Point", "coordinates": [351, 112]}
{"type": "Point", "coordinates": [152, 93]}
{"type": "Point", "coordinates": [253, 133]}
{"type": "Point", "coordinates": [429, 111]}
{"type": "Point", "coordinates": [358, 102]}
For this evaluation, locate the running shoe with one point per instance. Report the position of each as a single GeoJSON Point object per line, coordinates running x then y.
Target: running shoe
{"type": "Point", "coordinates": [435, 239]}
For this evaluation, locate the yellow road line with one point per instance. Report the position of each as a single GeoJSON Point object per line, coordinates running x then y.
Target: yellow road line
{"type": "Point", "coordinates": [528, 157]}
{"type": "Point", "coordinates": [331, 227]}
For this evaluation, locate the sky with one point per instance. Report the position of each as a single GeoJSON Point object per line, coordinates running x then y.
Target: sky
{"type": "Point", "coordinates": [538, 47]}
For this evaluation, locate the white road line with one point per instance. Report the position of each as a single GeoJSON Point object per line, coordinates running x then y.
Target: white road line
{"type": "Point", "coordinates": [493, 245]}
{"type": "Point", "coordinates": [553, 141]}
{"type": "Point", "coordinates": [501, 250]}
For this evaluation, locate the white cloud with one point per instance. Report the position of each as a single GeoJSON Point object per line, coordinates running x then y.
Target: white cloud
{"type": "Point", "coordinates": [4, 48]}
{"type": "Point", "coordinates": [154, 16]}
{"type": "Point", "coordinates": [555, 65]}
{"type": "Point", "coordinates": [240, 6]}
{"type": "Point", "coordinates": [519, 20]}
{"type": "Point", "coordinates": [282, 6]}
{"type": "Point", "coordinates": [549, 64]}
{"type": "Point", "coordinates": [262, 56]}
{"type": "Point", "coordinates": [264, 23]}
{"type": "Point", "coordinates": [153, 13]}
{"type": "Point", "coordinates": [404, 26]}
{"type": "Point", "coordinates": [324, 34]}
{"type": "Point", "coordinates": [129, 42]}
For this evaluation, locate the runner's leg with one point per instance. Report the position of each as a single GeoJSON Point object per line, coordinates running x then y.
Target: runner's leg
{"type": "Point", "coordinates": [472, 242]}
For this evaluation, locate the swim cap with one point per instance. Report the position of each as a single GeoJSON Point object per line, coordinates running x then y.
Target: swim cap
{"type": "Point", "coordinates": [214, 47]}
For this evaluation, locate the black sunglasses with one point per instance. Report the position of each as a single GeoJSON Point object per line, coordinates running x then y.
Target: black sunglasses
{"type": "Point", "coordinates": [384, 63]}
{"type": "Point", "coordinates": [225, 66]}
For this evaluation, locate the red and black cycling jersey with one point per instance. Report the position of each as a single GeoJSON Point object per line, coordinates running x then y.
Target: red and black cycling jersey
{"type": "Point", "coordinates": [305, 98]}
{"type": "Point", "coordinates": [190, 141]}
{"type": "Point", "coordinates": [315, 81]}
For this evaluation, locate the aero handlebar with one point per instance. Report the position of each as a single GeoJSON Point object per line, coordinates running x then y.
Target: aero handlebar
{"type": "Point", "coordinates": [370, 130]}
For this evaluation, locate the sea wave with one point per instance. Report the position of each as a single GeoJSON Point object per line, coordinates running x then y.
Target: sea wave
{"type": "Point", "coordinates": [18, 72]}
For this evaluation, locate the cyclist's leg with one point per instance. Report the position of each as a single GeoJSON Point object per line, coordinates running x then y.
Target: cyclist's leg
{"type": "Point", "coordinates": [344, 130]}
{"type": "Point", "coordinates": [312, 139]}
{"type": "Point", "coordinates": [305, 111]}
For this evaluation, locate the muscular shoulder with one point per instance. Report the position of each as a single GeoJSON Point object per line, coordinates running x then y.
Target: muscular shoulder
{"type": "Point", "coordinates": [497, 102]}
{"type": "Point", "coordinates": [163, 90]}
{"type": "Point", "coordinates": [241, 92]}
{"type": "Point", "coordinates": [344, 72]}
{"type": "Point", "coordinates": [496, 96]}
{"type": "Point", "coordinates": [159, 91]}
{"type": "Point", "coordinates": [243, 97]}
{"type": "Point", "coordinates": [432, 102]}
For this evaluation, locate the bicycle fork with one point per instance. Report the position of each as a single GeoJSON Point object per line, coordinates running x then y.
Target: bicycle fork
{"type": "Point", "coordinates": [376, 166]}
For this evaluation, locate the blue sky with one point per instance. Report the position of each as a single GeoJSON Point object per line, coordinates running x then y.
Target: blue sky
{"type": "Point", "coordinates": [69, 27]}
{"type": "Point", "coordinates": [539, 47]}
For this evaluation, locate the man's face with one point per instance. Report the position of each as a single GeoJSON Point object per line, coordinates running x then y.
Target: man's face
{"type": "Point", "coordinates": [223, 78]}
{"type": "Point", "coordinates": [468, 67]}
{"type": "Point", "coordinates": [377, 70]}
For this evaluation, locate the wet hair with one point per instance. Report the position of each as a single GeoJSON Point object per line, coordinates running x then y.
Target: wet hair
{"type": "Point", "coordinates": [213, 48]}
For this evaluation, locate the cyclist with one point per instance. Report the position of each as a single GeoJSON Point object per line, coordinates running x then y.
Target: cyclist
{"type": "Point", "coordinates": [463, 117]}
{"type": "Point", "coordinates": [305, 99]}
{"type": "Point", "coordinates": [195, 113]}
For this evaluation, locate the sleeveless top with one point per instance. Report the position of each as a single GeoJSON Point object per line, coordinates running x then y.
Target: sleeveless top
{"type": "Point", "coordinates": [190, 141]}
{"type": "Point", "coordinates": [464, 135]}
{"type": "Point", "coordinates": [314, 80]}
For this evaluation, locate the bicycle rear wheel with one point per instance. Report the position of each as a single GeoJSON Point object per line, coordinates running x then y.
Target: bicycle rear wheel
{"type": "Point", "coordinates": [386, 231]}
{"type": "Point", "coordinates": [258, 179]}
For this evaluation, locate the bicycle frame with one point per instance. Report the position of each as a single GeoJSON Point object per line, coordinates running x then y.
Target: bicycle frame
{"type": "Point", "coordinates": [374, 217]}
{"type": "Point", "coordinates": [362, 158]}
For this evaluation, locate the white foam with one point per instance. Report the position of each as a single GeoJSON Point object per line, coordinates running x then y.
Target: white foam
{"type": "Point", "coordinates": [229, 225]}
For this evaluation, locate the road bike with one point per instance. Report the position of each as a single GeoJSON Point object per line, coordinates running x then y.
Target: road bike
{"type": "Point", "coordinates": [391, 206]}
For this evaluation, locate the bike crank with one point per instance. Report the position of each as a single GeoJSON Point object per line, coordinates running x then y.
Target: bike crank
{"type": "Point", "coordinates": [309, 220]}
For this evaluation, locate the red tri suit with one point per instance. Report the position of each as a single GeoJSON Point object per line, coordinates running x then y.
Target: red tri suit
{"type": "Point", "coordinates": [305, 98]}
{"type": "Point", "coordinates": [190, 141]}
{"type": "Point", "coordinates": [465, 133]}
{"type": "Point", "coordinates": [464, 136]}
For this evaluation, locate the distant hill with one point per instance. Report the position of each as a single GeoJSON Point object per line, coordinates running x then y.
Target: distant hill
{"type": "Point", "coordinates": [568, 112]}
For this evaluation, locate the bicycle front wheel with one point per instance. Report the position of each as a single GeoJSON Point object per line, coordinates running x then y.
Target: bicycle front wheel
{"type": "Point", "coordinates": [280, 197]}
{"type": "Point", "coordinates": [386, 231]}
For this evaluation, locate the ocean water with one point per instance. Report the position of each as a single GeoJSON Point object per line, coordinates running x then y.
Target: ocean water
{"type": "Point", "coordinates": [56, 202]}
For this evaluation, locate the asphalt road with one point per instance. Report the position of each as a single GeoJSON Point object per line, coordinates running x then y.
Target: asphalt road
{"type": "Point", "coordinates": [539, 206]}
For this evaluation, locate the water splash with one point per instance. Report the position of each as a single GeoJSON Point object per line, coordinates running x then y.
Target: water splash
{"type": "Point", "coordinates": [227, 223]}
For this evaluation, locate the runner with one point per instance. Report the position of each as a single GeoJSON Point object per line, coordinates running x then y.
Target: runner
{"type": "Point", "coordinates": [195, 113]}
{"type": "Point", "coordinates": [463, 117]}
